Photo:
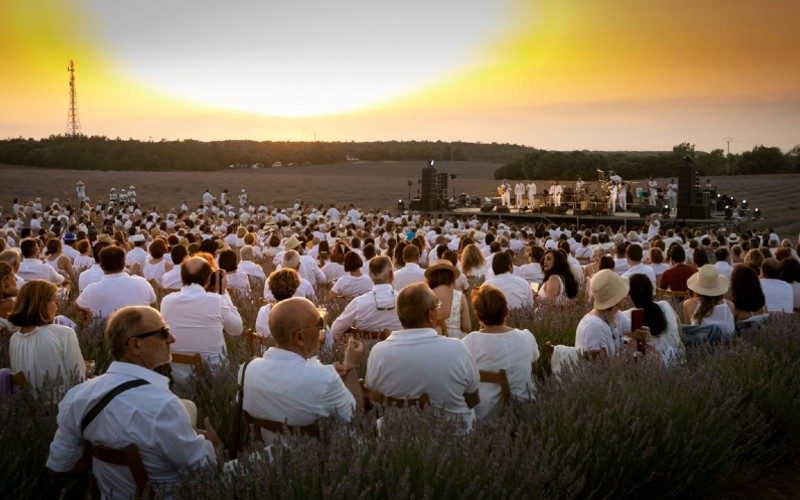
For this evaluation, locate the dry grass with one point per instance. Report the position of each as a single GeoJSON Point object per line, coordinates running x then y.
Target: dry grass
{"type": "Point", "coordinates": [366, 184]}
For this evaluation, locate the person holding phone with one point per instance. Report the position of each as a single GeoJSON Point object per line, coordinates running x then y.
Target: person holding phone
{"type": "Point", "coordinates": [658, 317]}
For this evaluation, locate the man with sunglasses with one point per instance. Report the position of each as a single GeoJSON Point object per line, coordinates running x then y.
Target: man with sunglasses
{"type": "Point", "coordinates": [417, 360]}
{"type": "Point", "coordinates": [147, 415]}
{"type": "Point", "coordinates": [288, 384]}
{"type": "Point", "coordinates": [375, 310]}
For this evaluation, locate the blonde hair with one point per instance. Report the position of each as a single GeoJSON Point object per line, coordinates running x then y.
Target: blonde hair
{"type": "Point", "coordinates": [471, 258]}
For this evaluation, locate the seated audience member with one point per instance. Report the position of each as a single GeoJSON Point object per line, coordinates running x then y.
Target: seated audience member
{"type": "Point", "coordinates": [699, 257]}
{"type": "Point", "coordinates": [282, 284]}
{"type": "Point", "coordinates": [675, 277]}
{"type": "Point", "coordinates": [620, 261]}
{"type": "Point", "coordinates": [600, 332]}
{"type": "Point", "coordinates": [31, 268]}
{"type": "Point", "coordinates": [778, 294]}
{"type": "Point", "coordinates": [496, 347]}
{"type": "Point", "coordinates": [55, 257]}
{"type": "Point", "coordinates": [171, 280]}
{"type": "Point", "coordinates": [657, 263]}
{"type": "Point", "coordinates": [584, 252]}
{"type": "Point", "coordinates": [116, 289]}
{"type": "Point", "coordinates": [148, 416]}
{"type": "Point", "coordinates": [8, 289]}
{"type": "Point", "coordinates": [790, 273]}
{"type": "Point", "coordinates": [94, 273]}
{"type": "Point", "coordinates": [156, 265]}
{"type": "Point", "coordinates": [353, 283]}
{"type": "Point", "coordinates": [200, 314]}
{"type": "Point", "coordinates": [473, 262]}
{"type": "Point", "coordinates": [634, 255]}
{"type": "Point", "coordinates": [85, 260]}
{"type": "Point", "coordinates": [453, 320]}
{"type": "Point", "coordinates": [660, 319]}
{"type": "Point", "coordinates": [288, 384]}
{"type": "Point", "coordinates": [707, 306]}
{"type": "Point", "coordinates": [375, 310]}
{"type": "Point", "coordinates": [12, 258]}
{"type": "Point", "coordinates": [559, 287]}
{"type": "Point", "coordinates": [517, 291]}
{"type": "Point", "coordinates": [723, 261]}
{"type": "Point", "coordinates": [291, 260]}
{"type": "Point", "coordinates": [532, 271]}
{"type": "Point", "coordinates": [416, 360]}
{"type": "Point", "coordinates": [334, 268]}
{"type": "Point", "coordinates": [605, 262]}
{"type": "Point", "coordinates": [247, 266]}
{"type": "Point", "coordinates": [745, 293]}
{"type": "Point", "coordinates": [754, 258]}
{"type": "Point", "coordinates": [44, 351]}
{"type": "Point", "coordinates": [238, 282]}
{"type": "Point", "coordinates": [411, 272]}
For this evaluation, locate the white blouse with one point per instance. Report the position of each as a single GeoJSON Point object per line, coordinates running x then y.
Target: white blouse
{"type": "Point", "coordinates": [352, 286]}
{"type": "Point", "coordinates": [332, 271]}
{"type": "Point", "coordinates": [46, 353]}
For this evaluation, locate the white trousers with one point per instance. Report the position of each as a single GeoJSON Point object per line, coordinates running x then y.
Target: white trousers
{"type": "Point", "coordinates": [557, 199]}
{"type": "Point", "coordinates": [653, 196]}
{"type": "Point", "coordinates": [519, 200]}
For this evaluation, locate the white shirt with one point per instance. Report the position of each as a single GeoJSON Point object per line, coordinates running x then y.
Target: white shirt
{"type": "Point", "coordinates": [82, 263]}
{"type": "Point", "coordinates": [515, 352]}
{"type": "Point", "coordinates": [641, 269]}
{"type": "Point", "coordinates": [351, 286]}
{"type": "Point", "coordinates": [115, 291]}
{"type": "Point", "coordinates": [304, 290]}
{"type": "Point", "coordinates": [364, 314]}
{"type": "Point", "coordinates": [284, 387]}
{"type": "Point", "coordinates": [517, 291]}
{"type": "Point", "coordinates": [310, 270]}
{"type": "Point", "coordinates": [197, 319]}
{"type": "Point", "coordinates": [149, 416]}
{"type": "Point", "coordinates": [724, 268]}
{"type": "Point", "coordinates": [238, 282]}
{"type": "Point", "coordinates": [92, 275]}
{"type": "Point", "coordinates": [47, 352]}
{"type": "Point", "coordinates": [252, 269]}
{"type": "Point", "coordinates": [332, 271]}
{"type": "Point", "coordinates": [262, 321]}
{"type": "Point", "coordinates": [34, 269]}
{"type": "Point", "coordinates": [667, 344]}
{"type": "Point", "coordinates": [136, 256]}
{"type": "Point", "coordinates": [778, 294]}
{"type": "Point", "coordinates": [594, 334]}
{"type": "Point", "coordinates": [410, 273]}
{"type": "Point", "coordinates": [172, 278]}
{"type": "Point", "coordinates": [419, 361]}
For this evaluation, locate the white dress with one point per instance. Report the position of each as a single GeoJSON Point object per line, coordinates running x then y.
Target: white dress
{"type": "Point", "coordinates": [515, 352]}
{"type": "Point", "coordinates": [561, 299]}
{"type": "Point", "coordinates": [352, 286]}
{"type": "Point", "coordinates": [453, 322]}
{"type": "Point", "coordinates": [239, 283]}
{"type": "Point", "coordinates": [154, 272]}
{"type": "Point", "coordinates": [332, 271]}
{"type": "Point", "coordinates": [668, 344]}
{"type": "Point", "coordinates": [721, 316]}
{"type": "Point", "coordinates": [47, 352]}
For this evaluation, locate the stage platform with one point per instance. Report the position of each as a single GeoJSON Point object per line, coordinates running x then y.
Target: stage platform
{"type": "Point", "coordinates": [615, 220]}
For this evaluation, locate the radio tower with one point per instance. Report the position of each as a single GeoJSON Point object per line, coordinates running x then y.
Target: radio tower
{"type": "Point", "coordinates": [73, 123]}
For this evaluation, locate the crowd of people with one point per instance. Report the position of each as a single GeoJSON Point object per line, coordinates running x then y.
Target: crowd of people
{"type": "Point", "coordinates": [412, 289]}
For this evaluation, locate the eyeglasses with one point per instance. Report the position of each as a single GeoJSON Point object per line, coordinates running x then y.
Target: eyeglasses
{"type": "Point", "coordinates": [163, 332]}
{"type": "Point", "coordinates": [375, 298]}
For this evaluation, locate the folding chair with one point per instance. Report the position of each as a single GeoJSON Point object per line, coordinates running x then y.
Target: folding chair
{"type": "Point", "coordinates": [259, 424]}
{"type": "Point", "coordinates": [193, 359]}
{"type": "Point", "coordinates": [500, 379]}
{"type": "Point", "coordinates": [374, 398]}
{"type": "Point", "coordinates": [256, 343]}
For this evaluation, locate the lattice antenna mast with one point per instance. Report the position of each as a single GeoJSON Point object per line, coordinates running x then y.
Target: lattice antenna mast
{"type": "Point", "coordinates": [73, 123]}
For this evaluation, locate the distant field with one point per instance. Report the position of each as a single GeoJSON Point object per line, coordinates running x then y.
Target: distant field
{"type": "Point", "coordinates": [367, 184]}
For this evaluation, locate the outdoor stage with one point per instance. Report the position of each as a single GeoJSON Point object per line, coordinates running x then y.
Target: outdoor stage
{"type": "Point", "coordinates": [632, 220]}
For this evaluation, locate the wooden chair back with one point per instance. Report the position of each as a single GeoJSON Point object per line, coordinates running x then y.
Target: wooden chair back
{"type": "Point", "coordinates": [500, 379]}
{"type": "Point", "coordinates": [679, 296]}
{"type": "Point", "coordinates": [256, 343]}
{"type": "Point", "coordinates": [259, 424]}
{"type": "Point", "coordinates": [375, 398]}
{"type": "Point", "coordinates": [129, 457]}
{"type": "Point", "coordinates": [194, 359]}
{"type": "Point", "coordinates": [367, 334]}
{"type": "Point", "coordinates": [19, 380]}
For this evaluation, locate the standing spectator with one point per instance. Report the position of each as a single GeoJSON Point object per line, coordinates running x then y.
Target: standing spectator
{"type": "Point", "coordinates": [496, 347]}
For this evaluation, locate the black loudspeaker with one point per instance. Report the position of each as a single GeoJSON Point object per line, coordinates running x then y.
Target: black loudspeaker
{"type": "Point", "coordinates": [416, 204]}
{"type": "Point", "coordinates": [488, 207]}
{"type": "Point", "coordinates": [501, 209]}
{"type": "Point", "coordinates": [700, 212]}
{"type": "Point", "coordinates": [429, 195]}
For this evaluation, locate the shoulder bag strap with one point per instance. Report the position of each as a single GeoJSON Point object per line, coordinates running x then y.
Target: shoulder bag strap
{"type": "Point", "coordinates": [237, 423]}
{"type": "Point", "coordinates": [110, 395]}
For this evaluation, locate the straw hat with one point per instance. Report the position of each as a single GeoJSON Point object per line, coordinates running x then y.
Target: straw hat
{"type": "Point", "coordinates": [291, 243]}
{"type": "Point", "coordinates": [608, 288]}
{"type": "Point", "coordinates": [707, 281]}
{"type": "Point", "coordinates": [442, 264]}
{"type": "Point", "coordinates": [733, 238]}
{"type": "Point", "coordinates": [104, 238]}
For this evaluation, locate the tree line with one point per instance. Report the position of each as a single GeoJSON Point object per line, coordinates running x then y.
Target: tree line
{"type": "Point", "coordinates": [541, 164]}
{"type": "Point", "coordinates": [103, 153]}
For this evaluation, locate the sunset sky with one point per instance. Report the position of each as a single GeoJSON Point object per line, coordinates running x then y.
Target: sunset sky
{"type": "Point", "coordinates": [554, 74]}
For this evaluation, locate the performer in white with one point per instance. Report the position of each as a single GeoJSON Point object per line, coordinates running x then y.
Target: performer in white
{"type": "Point", "coordinates": [653, 185]}
{"type": "Point", "coordinates": [623, 196]}
{"type": "Point", "coordinates": [612, 198]}
{"type": "Point", "coordinates": [80, 190]}
{"type": "Point", "coordinates": [112, 196]}
{"type": "Point", "coordinates": [614, 177]}
{"type": "Point", "coordinates": [505, 193]}
{"type": "Point", "coordinates": [132, 194]}
{"type": "Point", "coordinates": [519, 192]}
{"type": "Point", "coordinates": [531, 193]}
{"type": "Point", "coordinates": [672, 194]}
{"type": "Point", "coordinates": [579, 185]}
{"type": "Point", "coordinates": [223, 197]}
{"type": "Point", "coordinates": [558, 190]}
{"type": "Point", "coordinates": [243, 198]}
{"type": "Point", "coordinates": [208, 198]}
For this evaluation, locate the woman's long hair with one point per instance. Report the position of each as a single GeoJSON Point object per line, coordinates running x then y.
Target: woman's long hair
{"type": "Point", "coordinates": [746, 292]}
{"type": "Point", "coordinates": [561, 268]}
{"type": "Point", "coordinates": [707, 304]}
{"type": "Point", "coordinates": [641, 293]}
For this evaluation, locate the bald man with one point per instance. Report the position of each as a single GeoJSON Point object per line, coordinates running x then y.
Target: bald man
{"type": "Point", "coordinates": [288, 384]}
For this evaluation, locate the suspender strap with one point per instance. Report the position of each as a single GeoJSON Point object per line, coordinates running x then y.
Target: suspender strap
{"type": "Point", "coordinates": [116, 391]}
{"type": "Point", "coordinates": [237, 423]}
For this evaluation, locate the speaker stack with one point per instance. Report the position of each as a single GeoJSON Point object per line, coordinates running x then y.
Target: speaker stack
{"type": "Point", "coordinates": [690, 200]}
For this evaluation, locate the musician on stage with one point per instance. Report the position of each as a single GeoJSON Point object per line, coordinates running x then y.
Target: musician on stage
{"type": "Point", "coordinates": [672, 194]}
{"type": "Point", "coordinates": [579, 185]}
{"type": "Point", "coordinates": [505, 193]}
{"type": "Point", "coordinates": [623, 196]}
{"type": "Point", "coordinates": [519, 192]}
{"type": "Point", "coordinates": [612, 176]}
{"type": "Point", "coordinates": [531, 193]}
{"type": "Point", "coordinates": [653, 185]}
{"type": "Point", "coordinates": [612, 198]}
{"type": "Point", "coordinates": [557, 190]}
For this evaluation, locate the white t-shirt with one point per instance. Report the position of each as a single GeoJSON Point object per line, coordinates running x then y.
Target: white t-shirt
{"type": "Point", "coordinates": [115, 291]}
{"type": "Point", "coordinates": [517, 291]}
{"type": "Point", "coordinates": [594, 334]}
{"type": "Point", "coordinates": [47, 352]}
{"type": "Point", "coordinates": [351, 286]}
{"type": "Point", "coordinates": [515, 352]}
{"type": "Point", "coordinates": [778, 294]}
